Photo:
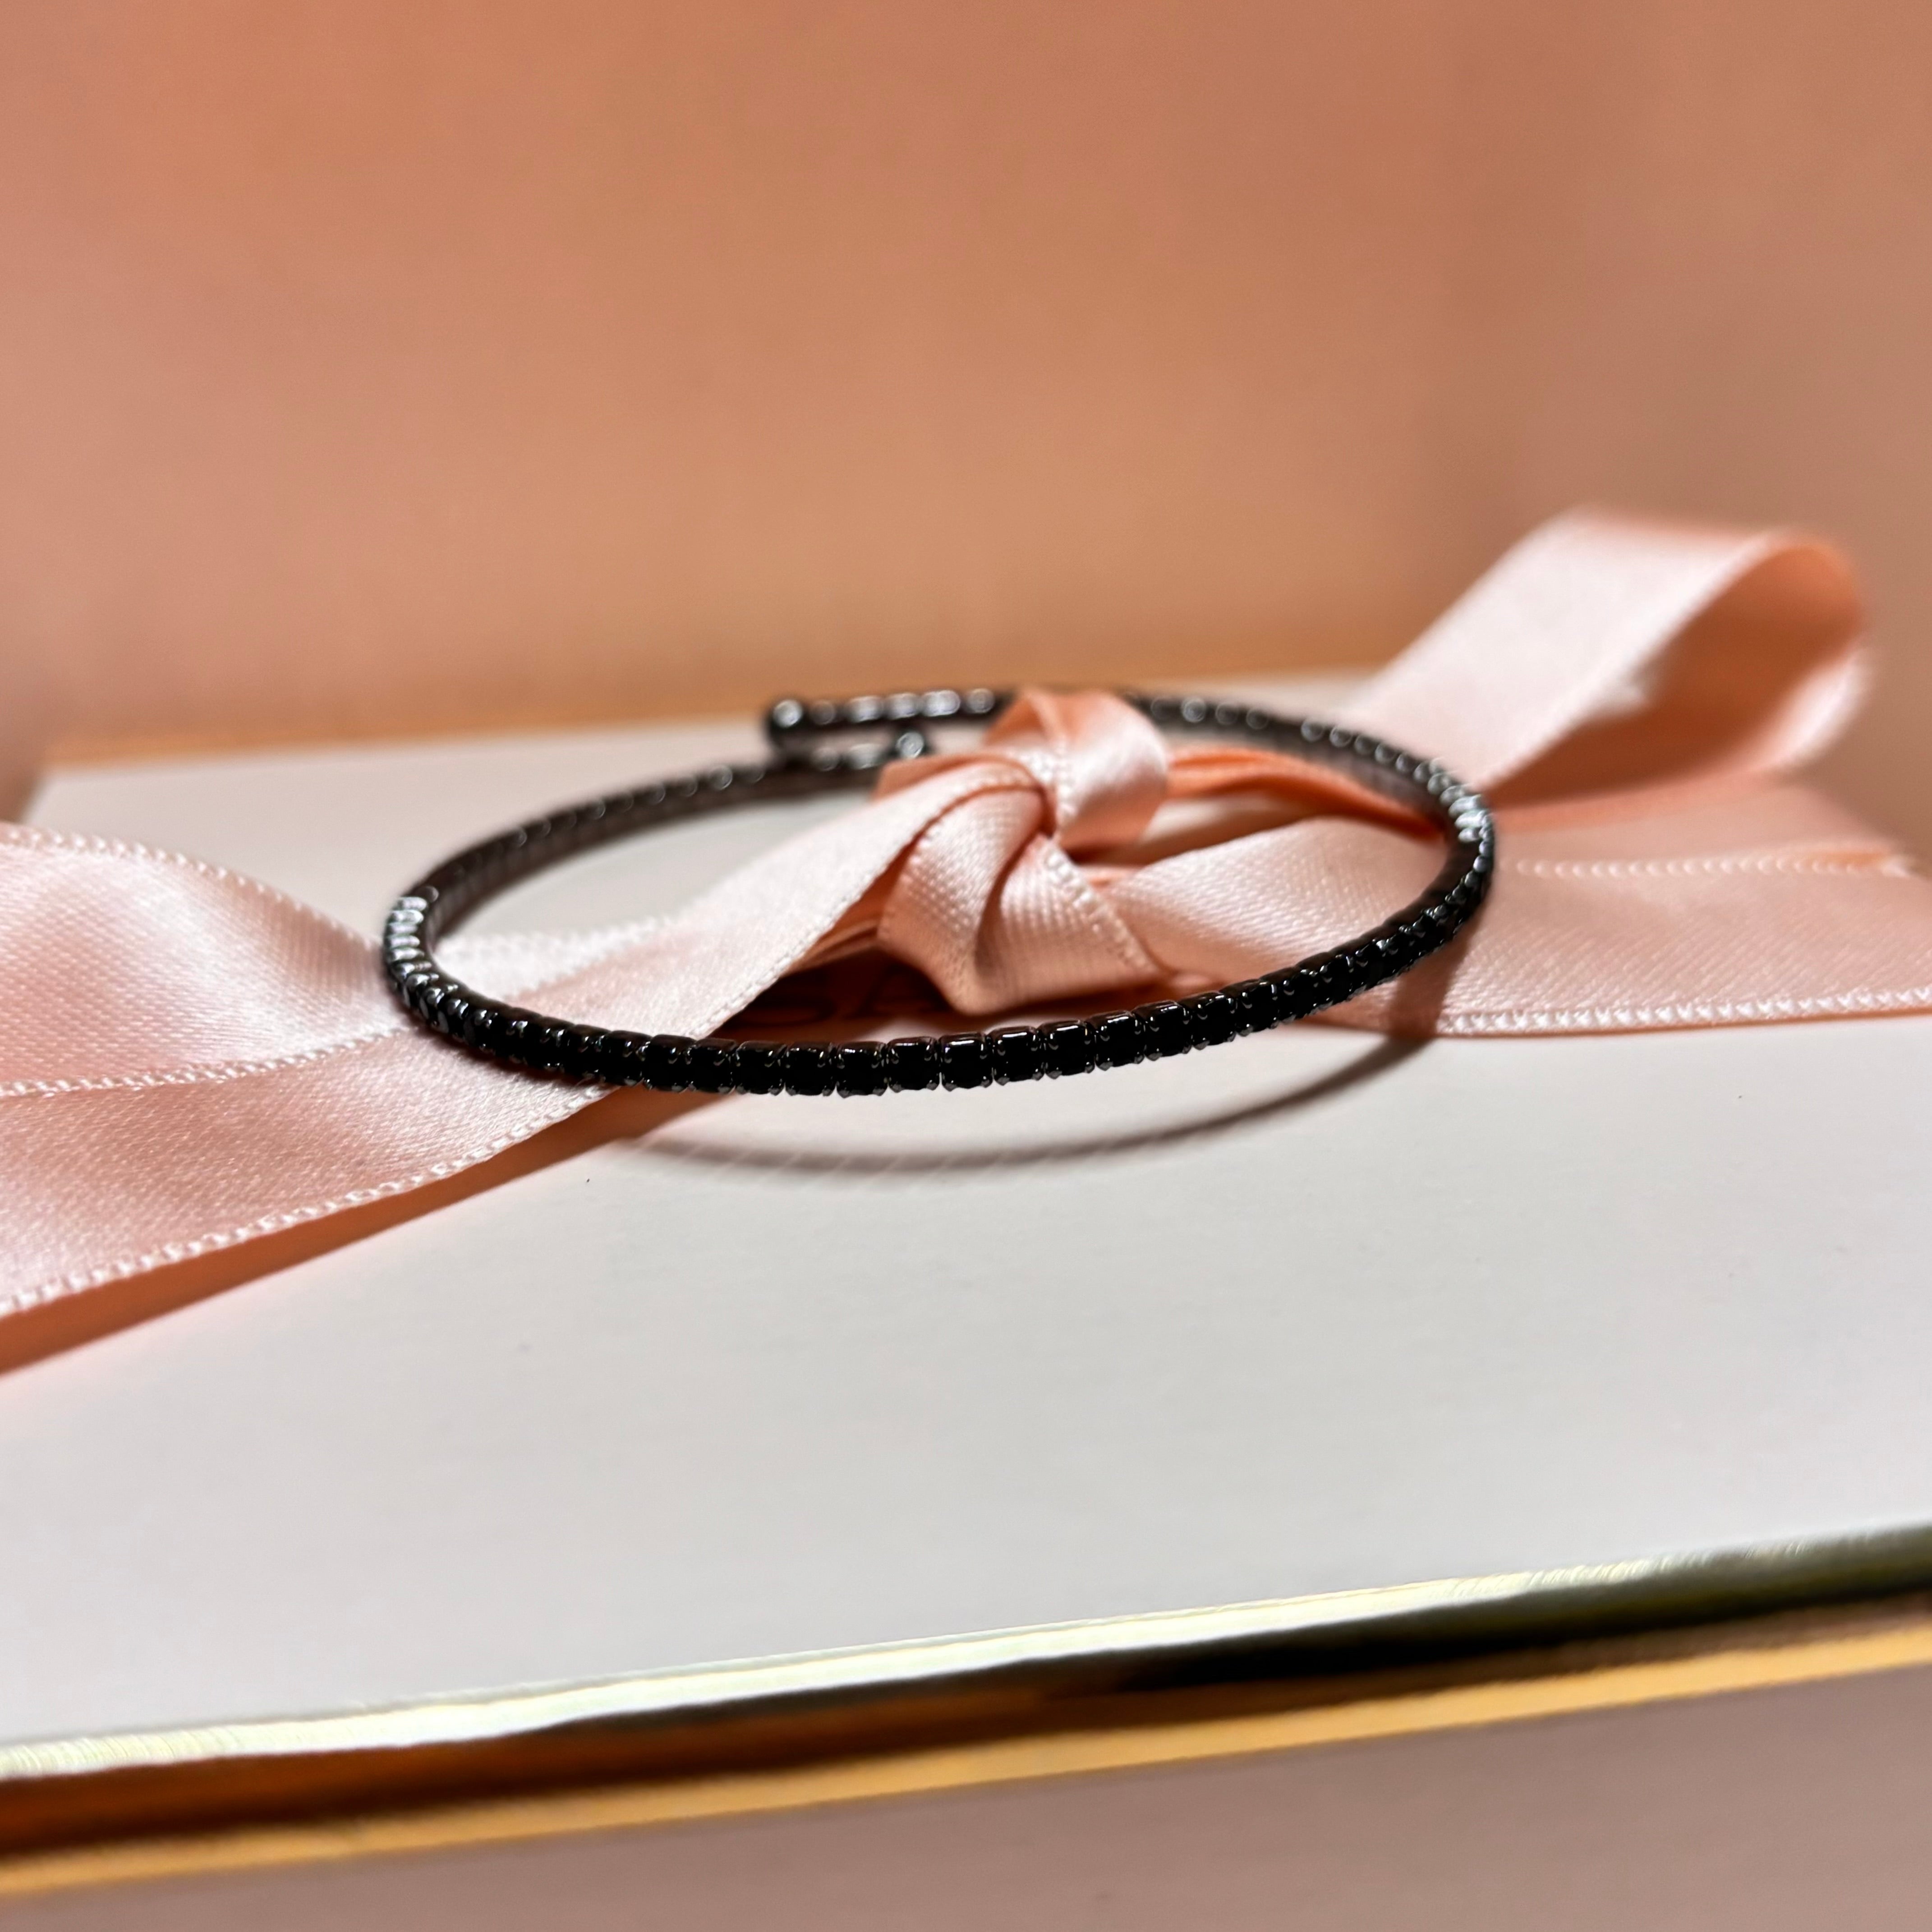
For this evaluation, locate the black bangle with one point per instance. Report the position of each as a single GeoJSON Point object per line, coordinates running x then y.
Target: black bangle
{"type": "Point", "coordinates": [803, 764]}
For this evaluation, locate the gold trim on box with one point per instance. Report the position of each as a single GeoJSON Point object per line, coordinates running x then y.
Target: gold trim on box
{"type": "Point", "coordinates": [783, 1733]}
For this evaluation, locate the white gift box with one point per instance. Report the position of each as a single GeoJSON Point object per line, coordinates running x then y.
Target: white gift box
{"type": "Point", "coordinates": [722, 1431]}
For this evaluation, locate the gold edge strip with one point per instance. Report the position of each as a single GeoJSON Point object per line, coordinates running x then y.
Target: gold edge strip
{"type": "Point", "coordinates": [1014, 1761]}
{"type": "Point", "coordinates": [465, 1719]}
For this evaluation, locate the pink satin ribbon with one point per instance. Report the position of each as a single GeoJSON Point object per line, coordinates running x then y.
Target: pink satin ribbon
{"type": "Point", "coordinates": [193, 1060]}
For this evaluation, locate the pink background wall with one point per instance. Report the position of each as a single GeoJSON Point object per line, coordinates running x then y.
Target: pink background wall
{"type": "Point", "coordinates": [369, 366]}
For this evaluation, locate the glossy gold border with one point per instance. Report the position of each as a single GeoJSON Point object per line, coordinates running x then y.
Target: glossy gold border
{"type": "Point", "coordinates": [828, 1674]}
{"type": "Point", "coordinates": [1482, 1613]}
{"type": "Point", "coordinates": [1725, 1670]}
{"type": "Point", "coordinates": [781, 1733]}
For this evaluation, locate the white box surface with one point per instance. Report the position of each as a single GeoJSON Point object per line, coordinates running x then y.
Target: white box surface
{"type": "Point", "coordinates": [1308, 1312]}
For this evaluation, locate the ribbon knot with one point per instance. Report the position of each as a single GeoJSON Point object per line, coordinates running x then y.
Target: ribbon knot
{"type": "Point", "coordinates": [1031, 881]}
{"type": "Point", "coordinates": [1099, 767]}
{"type": "Point", "coordinates": [989, 901]}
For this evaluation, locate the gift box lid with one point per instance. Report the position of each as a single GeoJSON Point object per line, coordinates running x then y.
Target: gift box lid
{"type": "Point", "coordinates": [1317, 1313]}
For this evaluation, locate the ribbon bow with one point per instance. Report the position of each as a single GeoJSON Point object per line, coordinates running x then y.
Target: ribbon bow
{"type": "Point", "coordinates": [193, 1060]}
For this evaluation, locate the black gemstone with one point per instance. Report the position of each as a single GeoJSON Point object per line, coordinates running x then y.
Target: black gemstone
{"type": "Point", "coordinates": [621, 1062]}
{"type": "Point", "coordinates": [808, 1070]}
{"type": "Point", "coordinates": [577, 1052]}
{"type": "Point", "coordinates": [607, 1059]}
{"type": "Point", "coordinates": [481, 1027]}
{"type": "Point", "coordinates": [1386, 954]}
{"type": "Point", "coordinates": [540, 1049]}
{"type": "Point", "coordinates": [1366, 966]}
{"type": "Point", "coordinates": [453, 1014]}
{"type": "Point", "coordinates": [1403, 944]}
{"type": "Point", "coordinates": [964, 1060]}
{"type": "Point", "coordinates": [760, 1068]}
{"type": "Point", "coordinates": [668, 1063]}
{"type": "Point", "coordinates": [548, 1045]}
{"type": "Point", "coordinates": [512, 1035]}
{"type": "Point", "coordinates": [1067, 1047]}
{"type": "Point", "coordinates": [1257, 1005]}
{"type": "Point", "coordinates": [1214, 1018]}
{"type": "Point", "coordinates": [1334, 973]}
{"type": "Point", "coordinates": [1117, 1039]}
{"type": "Point", "coordinates": [912, 1065]}
{"type": "Point", "coordinates": [714, 1065]}
{"type": "Point", "coordinates": [858, 1068]}
{"type": "Point", "coordinates": [1164, 1028]}
{"type": "Point", "coordinates": [485, 1032]}
{"type": "Point", "coordinates": [1015, 1054]}
{"type": "Point", "coordinates": [1297, 994]}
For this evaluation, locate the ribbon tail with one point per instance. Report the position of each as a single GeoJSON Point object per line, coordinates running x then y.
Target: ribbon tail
{"type": "Point", "coordinates": [212, 1062]}
{"type": "Point", "coordinates": [1607, 653]}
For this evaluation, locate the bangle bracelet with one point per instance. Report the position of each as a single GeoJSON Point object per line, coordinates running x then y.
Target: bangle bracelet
{"type": "Point", "coordinates": [805, 762]}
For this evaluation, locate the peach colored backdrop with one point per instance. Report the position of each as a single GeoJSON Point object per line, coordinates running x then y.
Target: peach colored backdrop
{"type": "Point", "coordinates": [388, 365]}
